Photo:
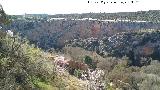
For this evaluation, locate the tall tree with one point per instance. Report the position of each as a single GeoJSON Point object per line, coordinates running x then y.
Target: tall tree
{"type": "Point", "coordinates": [3, 16]}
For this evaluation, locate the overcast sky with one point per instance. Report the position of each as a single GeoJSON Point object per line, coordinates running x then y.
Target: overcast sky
{"type": "Point", "coordinates": [76, 6]}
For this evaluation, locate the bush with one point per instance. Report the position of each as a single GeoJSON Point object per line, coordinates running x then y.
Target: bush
{"type": "Point", "coordinates": [88, 60]}
{"type": "Point", "coordinates": [150, 82]}
{"type": "Point", "coordinates": [20, 62]}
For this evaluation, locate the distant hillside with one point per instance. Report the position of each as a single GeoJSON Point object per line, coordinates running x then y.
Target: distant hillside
{"type": "Point", "coordinates": [133, 45]}
{"type": "Point", "coordinates": [53, 30]}
{"type": "Point", "coordinates": [151, 15]}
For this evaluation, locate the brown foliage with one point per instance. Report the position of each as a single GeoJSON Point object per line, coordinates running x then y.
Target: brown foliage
{"type": "Point", "coordinates": [77, 65]}
{"type": "Point", "coordinates": [95, 29]}
{"type": "Point", "coordinates": [147, 50]}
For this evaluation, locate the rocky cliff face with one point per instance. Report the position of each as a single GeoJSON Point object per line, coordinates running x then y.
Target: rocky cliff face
{"type": "Point", "coordinates": [140, 47]}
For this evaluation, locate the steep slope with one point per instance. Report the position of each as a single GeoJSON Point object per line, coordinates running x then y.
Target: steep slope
{"type": "Point", "coordinates": [135, 45]}
{"type": "Point", "coordinates": [25, 67]}
{"type": "Point", "coordinates": [52, 33]}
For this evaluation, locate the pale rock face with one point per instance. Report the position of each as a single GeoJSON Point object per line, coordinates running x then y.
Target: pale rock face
{"type": "Point", "coordinates": [10, 33]}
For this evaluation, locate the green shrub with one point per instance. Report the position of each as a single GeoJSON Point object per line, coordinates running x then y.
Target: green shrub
{"type": "Point", "coordinates": [88, 60]}
{"type": "Point", "coordinates": [19, 61]}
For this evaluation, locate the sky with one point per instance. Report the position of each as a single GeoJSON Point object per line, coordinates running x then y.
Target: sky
{"type": "Point", "coordinates": [20, 7]}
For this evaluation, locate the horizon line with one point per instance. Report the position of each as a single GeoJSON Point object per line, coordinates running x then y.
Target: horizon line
{"type": "Point", "coordinates": [90, 12]}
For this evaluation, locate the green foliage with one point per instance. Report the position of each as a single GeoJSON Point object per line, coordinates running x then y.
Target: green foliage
{"type": "Point", "coordinates": [121, 75]}
{"type": "Point", "coordinates": [77, 73]}
{"type": "Point", "coordinates": [19, 61]}
{"type": "Point", "coordinates": [41, 84]}
{"type": "Point", "coordinates": [150, 82]}
{"type": "Point", "coordinates": [3, 17]}
{"type": "Point", "coordinates": [88, 60]}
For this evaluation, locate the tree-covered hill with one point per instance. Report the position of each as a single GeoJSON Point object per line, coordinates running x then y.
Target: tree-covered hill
{"type": "Point", "coordinates": [151, 16]}
{"type": "Point", "coordinates": [53, 31]}
{"type": "Point", "coordinates": [138, 46]}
